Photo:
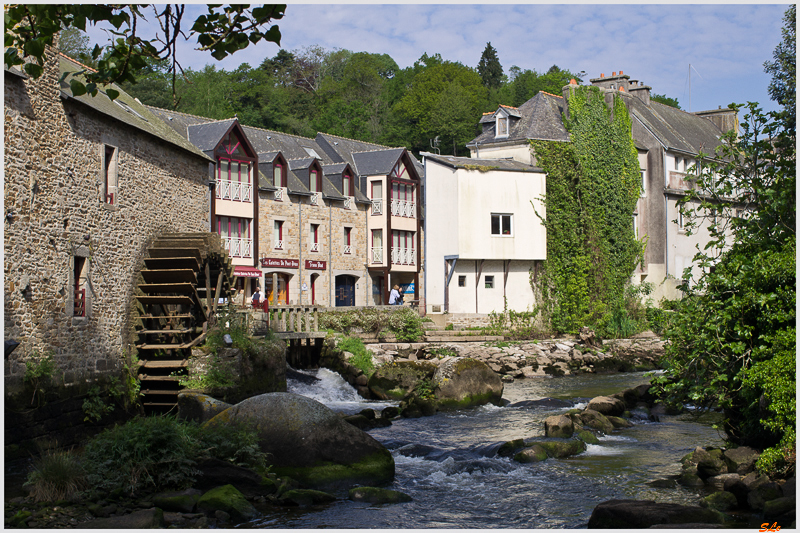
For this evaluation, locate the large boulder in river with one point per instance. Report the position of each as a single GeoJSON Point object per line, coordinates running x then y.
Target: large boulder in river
{"type": "Point", "coordinates": [309, 442]}
{"type": "Point", "coordinates": [559, 426]}
{"type": "Point", "coordinates": [607, 405]}
{"type": "Point", "coordinates": [641, 514]}
{"type": "Point", "coordinates": [394, 381]}
{"type": "Point", "coordinates": [466, 382]}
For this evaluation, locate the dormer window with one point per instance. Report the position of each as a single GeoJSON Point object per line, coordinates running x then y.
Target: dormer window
{"type": "Point", "coordinates": [347, 188]}
{"type": "Point", "coordinates": [502, 126]}
{"type": "Point", "coordinates": [314, 181]}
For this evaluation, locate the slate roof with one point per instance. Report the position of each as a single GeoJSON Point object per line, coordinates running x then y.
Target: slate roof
{"type": "Point", "coordinates": [674, 128]}
{"type": "Point", "coordinates": [124, 108]}
{"type": "Point", "coordinates": [377, 161]}
{"type": "Point", "coordinates": [469, 163]}
{"type": "Point", "coordinates": [539, 118]}
{"type": "Point", "coordinates": [207, 136]}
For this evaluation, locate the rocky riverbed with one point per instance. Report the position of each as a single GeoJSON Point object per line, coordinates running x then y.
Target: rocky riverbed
{"type": "Point", "coordinates": [528, 359]}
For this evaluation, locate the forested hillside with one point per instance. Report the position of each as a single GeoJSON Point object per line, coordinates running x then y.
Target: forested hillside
{"type": "Point", "coordinates": [358, 95]}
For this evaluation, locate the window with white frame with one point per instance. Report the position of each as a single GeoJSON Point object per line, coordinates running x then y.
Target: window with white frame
{"type": "Point", "coordinates": [643, 173]}
{"type": "Point", "coordinates": [377, 246]}
{"type": "Point", "coordinates": [404, 200]}
{"type": "Point", "coordinates": [233, 180]}
{"type": "Point", "coordinates": [501, 224]}
{"type": "Point", "coordinates": [677, 163]}
{"type": "Point", "coordinates": [502, 126]}
{"type": "Point", "coordinates": [403, 248]}
{"type": "Point", "coordinates": [236, 236]}
{"type": "Point", "coordinates": [277, 234]}
{"type": "Point", "coordinates": [313, 238]}
{"type": "Point", "coordinates": [346, 243]}
{"type": "Point", "coordinates": [376, 196]}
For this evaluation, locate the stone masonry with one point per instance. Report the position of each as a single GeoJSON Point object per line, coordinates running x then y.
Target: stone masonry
{"type": "Point", "coordinates": [54, 150]}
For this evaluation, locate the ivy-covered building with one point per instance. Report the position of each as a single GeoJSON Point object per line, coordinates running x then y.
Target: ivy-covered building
{"type": "Point", "coordinates": [668, 142]}
{"type": "Point", "coordinates": [331, 221]}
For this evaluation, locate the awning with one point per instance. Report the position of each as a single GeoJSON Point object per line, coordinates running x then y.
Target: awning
{"type": "Point", "coordinates": [246, 272]}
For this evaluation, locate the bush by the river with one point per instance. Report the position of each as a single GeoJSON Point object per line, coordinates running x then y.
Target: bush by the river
{"type": "Point", "coordinates": [403, 322]}
{"type": "Point", "coordinates": [160, 453]}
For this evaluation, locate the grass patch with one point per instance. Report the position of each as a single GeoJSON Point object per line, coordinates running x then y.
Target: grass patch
{"type": "Point", "coordinates": [361, 357]}
{"type": "Point", "coordinates": [56, 475]}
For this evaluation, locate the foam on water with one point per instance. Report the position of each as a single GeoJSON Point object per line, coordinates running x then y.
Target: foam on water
{"type": "Point", "coordinates": [597, 449]}
{"type": "Point", "coordinates": [332, 390]}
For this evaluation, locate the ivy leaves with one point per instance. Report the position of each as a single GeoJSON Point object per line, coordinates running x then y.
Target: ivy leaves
{"type": "Point", "coordinates": [592, 189]}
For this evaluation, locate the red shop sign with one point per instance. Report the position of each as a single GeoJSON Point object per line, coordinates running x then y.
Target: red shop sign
{"type": "Point", "coordinates": [315, 265]}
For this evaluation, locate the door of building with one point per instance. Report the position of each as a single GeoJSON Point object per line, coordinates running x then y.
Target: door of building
{"type": "Point", "coordinates": [283, 288]}
{"type": "Point", "coordinates": [345, 290]}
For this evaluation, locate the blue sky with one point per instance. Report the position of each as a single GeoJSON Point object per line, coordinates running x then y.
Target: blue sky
{"type": "Point", "coordinates": [726, 44]}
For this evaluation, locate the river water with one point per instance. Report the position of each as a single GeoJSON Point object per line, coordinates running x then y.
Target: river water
{"type": "Point", "coordinates": [447, 463]}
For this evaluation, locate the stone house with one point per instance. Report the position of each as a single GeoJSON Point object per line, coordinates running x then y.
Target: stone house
{"type": "Point", "coordinates": [89, 182]}
{"type": "Point", "coordinates": [668, 141]}
{"type": "Point", "coordinates": [321, 225]}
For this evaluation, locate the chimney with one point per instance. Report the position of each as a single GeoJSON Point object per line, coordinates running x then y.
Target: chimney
{"type": "Point", "coordinates": [724, 119]}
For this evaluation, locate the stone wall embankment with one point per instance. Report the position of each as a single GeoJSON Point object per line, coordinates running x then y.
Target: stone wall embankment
{"type": "Point", "coordinates": [528, 359]}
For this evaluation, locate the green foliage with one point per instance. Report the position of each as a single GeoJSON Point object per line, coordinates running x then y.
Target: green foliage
{"type": "Point", "coordinates": [39, 369]}
{"type": "Point", "coordinates": [592, 188]}
{"type": "Point", "coordinates": [449, 327]}
{"type": "Point", "coordinates": [732, 339]}
{"type": "Point", "coordinates": [489, 68]}
{"type": "Point", "coordinates": [783, 86]}
{"type": "Point", "coordinates": [666, 100]}
{"type": "Point", "coordinates": [523, 85]}
{"type": "Point", "coordinates": [218, 374]}
{"type": "Point", "coordinates": [403, 322]}
{"type": "Point", "coordinates": [161, 453]}
{"type": "Point", "coordinates": [361, 358]}
{"type": "Point", "coordinates": [56, 475]}
{"type": "Point", "coordinates": [440, 352]}
{"type": "Point", "coordinates": [424, 389]}
{"type": "Point", "coordinates": [222, 31]}
{"type": "Point", "coordinates": [94, 406]}
{"type": "Point", "coordinates": [516, 325]}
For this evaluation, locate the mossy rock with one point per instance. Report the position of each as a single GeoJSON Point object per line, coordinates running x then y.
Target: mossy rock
{"type": "Point", "coordinates": [228, 499]}
{"type": "Point", "coordinates": [509, 448]}
{"type": "Point", "coordinates": [619, 422]}
{"type": "Point", "coordinates": [532, 454]}
{"type": "Point", "coordinates": [466, 382]}
{"type": "Point", "coordinates": [178, 502]}
{"type": "Point", "coordinates": [375, 468]}
{"type": "Point", "coordinates": [720, 501]}
{"type": "Point", "coordinates": [596, 421]}
{"type": "Point", "coordinates": [377, 495]}
{"type": "Point", "coordinates": [394, 381]}
{"type": "Point", "coordinates": [690, 479]}
{"type": "Point", "coordinates": [306, 497]}
{"type": "Point", "coordinates": [587, 436]}
{"type": "Point", "coordinates": [20, 519]}
{"type": "Point", "coordinates": [561, 449]}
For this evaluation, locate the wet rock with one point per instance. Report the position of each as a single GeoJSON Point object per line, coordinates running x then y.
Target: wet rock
{"type": "Point", "coordinates": [587, 436]}
{"type": "Point", "coordinates": [215, 473]}
{"type": "Point", "coordinates": [199, 407]}
{"type": "Point", "coordinates": [377, 495]}
{"type": "Point", "coordinates": [561, 449]}
{"type": "Point", "coordinates": [309, 442]}
{"type": "Point", "coordinates": [710, 462]}
{"type": "Point", "coordinates": [305, 497]}
{"type": "Point", "coordinates": [559, 426]}
{"type": "Point", "coordinates": [763, 494]}
{"type": "Point", "coordinates": [618, 422]}
{"type": "Point", "coordinates": [723, 481]}
{"type": "Point", "coordinates": [145, 519]}
{"type": "Point", "coordinates": [720, 501]}
{"type": "Point", "coordinates": [229, 500]}
{"type": "Point", "coordinates": [394, 381]}
{"type": "Point", "coordinates": [629, 514]}
{"type": "Point", "coordinates": [596, 420]}
{"type": "Point", "coordinates": [740, 460]}
{"type": "Point", "coordinates": [466, 382]}
{"type": "Point", "coordinates": [778, 508]}
{"type": "Point", "coordinates": [532, 454]}
{"type": "Point", "coordinates": [178, 502]}
{"type": "Point", "coordinates": [607, 405]}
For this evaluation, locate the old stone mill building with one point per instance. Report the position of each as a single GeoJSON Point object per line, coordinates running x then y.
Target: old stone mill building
{"type": "Point", "coordinates": [114, 209]}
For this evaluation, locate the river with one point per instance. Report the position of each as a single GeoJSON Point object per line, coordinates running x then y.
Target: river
{"type": "Point", "coordinates": [447, 463]}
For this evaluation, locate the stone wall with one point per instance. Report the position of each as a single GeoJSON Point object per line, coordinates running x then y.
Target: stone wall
{"type": "Point", "coordinates": [297, 214]}
{"type": "Point", "coordinates": [54, 152]}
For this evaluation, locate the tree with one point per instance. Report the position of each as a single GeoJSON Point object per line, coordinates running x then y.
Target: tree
{"type": "Point", "coordinates": [489, 68]}
{"type": "Point", "coordinates": [29, 28]}
{"type": "Point", "coordinates": [782, 88]}
{"type": "Point", "coordinates": [666, 100]}
{"type": "Point", "coordinates": [75, 43]}
{"type": "Point", "coordinates": [732, 339]}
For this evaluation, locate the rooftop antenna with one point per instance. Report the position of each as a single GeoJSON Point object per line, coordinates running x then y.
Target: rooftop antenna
{"type": "Point", "coordinates": [435, 145]}
{"type": "Point", "coordinates": [691, 68]}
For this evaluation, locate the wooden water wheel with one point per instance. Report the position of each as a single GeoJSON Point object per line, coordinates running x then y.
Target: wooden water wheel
{"type": "Point", "coordinates": [185, 275]}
